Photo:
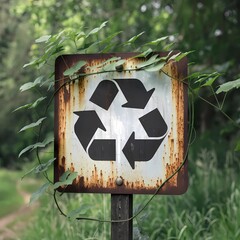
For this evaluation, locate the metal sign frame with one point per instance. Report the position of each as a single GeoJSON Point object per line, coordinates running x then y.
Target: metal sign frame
{"type": "Point", "coordinates": [175, 141]}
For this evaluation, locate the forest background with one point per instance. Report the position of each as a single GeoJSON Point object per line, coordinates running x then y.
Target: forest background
{"type": "Point", "coordinates": [211, 29]}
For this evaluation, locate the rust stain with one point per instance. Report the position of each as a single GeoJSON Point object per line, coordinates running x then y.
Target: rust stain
{"type": "Point", "coordinates": [174, 148]}
{"type": "Point", "coordinates": [96, 182]}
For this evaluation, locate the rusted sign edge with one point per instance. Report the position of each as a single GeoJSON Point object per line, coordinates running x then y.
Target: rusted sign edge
{"type": "Point", "coordinates": [181, 69]}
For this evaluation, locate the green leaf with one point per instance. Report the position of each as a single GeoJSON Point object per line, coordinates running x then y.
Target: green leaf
{"type": "Point", "coordinates": [197, 75]}
{"type": "Point", "coordinates": [54, 49]}
{"type": "Point", "coordinates": [36, 103]}
{"type": "Point", "coordinates": [43, 143]}
{"type": "Point", "coordinates": [182, 55]}
{"type": "Point", "coordinates": [133, 39]}
{"type": "Point", "coordinates": [48, 140]}
{"type": "Point", "coordinates": [103, 64]}
{"type": "Point", "coordinates": [66, 179]}
{"type": "Point", "coordinates": [112, 66]}
{"type": "Point", "coordinates": [87, 46]}
{"type": "Point", "coordinates": [157, 41]}
{"type": "Point", "coordinates": [30, 105]}
{"type": "Point", "coordinates": [74, 68]}
{"type": "Point", "coordinates": [182, 231]}
{"type": "Point", "coordinates": [36, 195]}
{"type": "Point", "coordinates": [32, 125]}
{"type": "Point", "coordinates": [144, 54]}
{"type": "Point", "coordinates": [27, 173]}
{"type": "Point", "coordinates": [81, 35]}
{"type": "Point", "coordinates": [40, 168]}
{"type": "Point", "coordinates": [30, 85]}
{"type": "Point", "coordinates": [36, 145]}
{"type": "Point", "coordinates": [150, 61]}
{"type": "Point", "coordinates": [226, 87]}
{"type": "Point", "coordinates": [43, 39]}
{"type": "Point", "coordinates": [109, 38]}
{"type": "Point", "coordinates": [237, 148]}
{"type": "Point", "coordinates": [34, 62]}
{"type": "Point", "coordinates": [44, 166]}
{"type": "Point", "coordinates": [96, 30]}
{"type": "Point", "coordinates": [173, 57]}
{"type": "Point", "coordinates": [177, 57]}
{"type": "Point", "coordinates": [108, 47]}
{"type": "Point", "coordinates": [108, 42]}
{"type": "Point", "coordinates": [26, 149]}
{"type": "Point", "coordinates": [210, 81]}
{"type": "Point", "coordinates": [48, 81]}
{"type": "Point", "coordinates": [168, 47]}
{"type": "Point", "coordinates": [202, 78]}
{"type": "Point", "coordinates": [156, 67]}
{"type": "Point", "coordinates": [23, 107]}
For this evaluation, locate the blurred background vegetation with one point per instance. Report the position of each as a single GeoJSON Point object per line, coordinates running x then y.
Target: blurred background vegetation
{"type": "Point", "coordinates": [211, 28]}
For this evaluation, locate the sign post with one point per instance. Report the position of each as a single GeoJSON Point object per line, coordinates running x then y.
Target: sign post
{"type": "Point", "coordinates": [121, 209]}
{"type": "Point", "coordinates": [124, 132]}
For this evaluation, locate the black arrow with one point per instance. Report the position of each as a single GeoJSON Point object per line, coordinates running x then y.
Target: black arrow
{"type": "Point", "coordinates": [135, 93]}
{"type": "Point", "coordinates": [104, 94]}
{"type": "Point", "coordinates": [154, 124]}
{"type": "Point", "coordinates": [104, 150]}
{"type": "Point", "coordinates": [140, 149]}
{"type": "Point", "coordinates": [86, 126]}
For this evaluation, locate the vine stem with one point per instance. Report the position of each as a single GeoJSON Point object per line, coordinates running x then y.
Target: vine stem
{"type": "Point", "coordinates": [166, 180]}
{"type": "Point", "coordinates": [152, 197]}
{"type": "Point", "coordinates": [216, 107]}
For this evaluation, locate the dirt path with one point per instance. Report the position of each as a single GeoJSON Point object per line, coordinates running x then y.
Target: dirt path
{"type": "Point", "coordinates": [13, 219]}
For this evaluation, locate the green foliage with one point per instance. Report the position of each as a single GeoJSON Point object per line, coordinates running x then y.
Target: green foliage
{"type": "Point", "coordinates": [96, 30]}
{"type": "Point", "coordinates": [30, 85]}
{"type": "Point", "coordinates": [217, 51]}
{"type": "Point", "coordinates": [37, 145]}
{"type": "Point", "coordinates": [43, 39]}
{"type": "Point", "coordinates": [226, 87]}
{"type": "Point", "coordinates": [56, 227]}
{"type": "Point", "coordinates": [58, 43]}
{"type": "Point", "coordinates": [82, 211]}
{"type": "Point", "coordinates": [36, 195]}
{"type": "Point", "coordinates": [31, 105]}
{"type": "Point", "coordinates": [33, 125]}
{"type": "Point", "coordinates": [66, 179]}
{"type": "Point", "coordinates": [209, 210]}
{"type": "Point", "coordinates": [24, 21]}
{"type": "Point", "coordinates": [43, 167]}
{"type": "Point", "coordinates": [74, 69]}
{"type": "Point", "coordinates": [10, 200]}
{"type": "Point", "coordinates": [63, 40]}
{"type": "Point", "coordinates": [201, 213]}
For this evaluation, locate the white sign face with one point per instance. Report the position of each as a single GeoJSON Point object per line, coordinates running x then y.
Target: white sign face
{"type": "Point", "coordinates": [123, 132]}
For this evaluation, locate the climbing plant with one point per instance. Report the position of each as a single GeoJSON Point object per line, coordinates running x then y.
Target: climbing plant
{"type": "Point", "coordinates": [49, 47]}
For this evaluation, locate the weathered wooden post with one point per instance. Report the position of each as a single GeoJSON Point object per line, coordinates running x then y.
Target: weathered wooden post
{"type": "Point", "coordinates": [121, 209]}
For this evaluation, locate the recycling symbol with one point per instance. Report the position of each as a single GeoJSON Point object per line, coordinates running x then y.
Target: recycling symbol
{"type": "Point", "coordinates": [88, 122]}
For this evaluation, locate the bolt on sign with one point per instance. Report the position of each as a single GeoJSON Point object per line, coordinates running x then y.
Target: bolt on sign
{"type": "Point", "coordinates": [122, 131]}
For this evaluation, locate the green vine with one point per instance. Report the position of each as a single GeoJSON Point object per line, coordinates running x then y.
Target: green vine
{"type": "Point", "coordinates": [54, 45]}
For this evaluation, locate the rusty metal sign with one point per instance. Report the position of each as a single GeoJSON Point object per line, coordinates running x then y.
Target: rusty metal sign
{"type": "Point", "coordinates": [122, 131]}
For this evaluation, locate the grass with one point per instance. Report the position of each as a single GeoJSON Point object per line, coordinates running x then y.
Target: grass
{"type": "Point", "coordinates": [30, 185]}
{"type": "Point", "coordinates": [209, 210]}
{"type": "Point", "coordinates": [10, 200]}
